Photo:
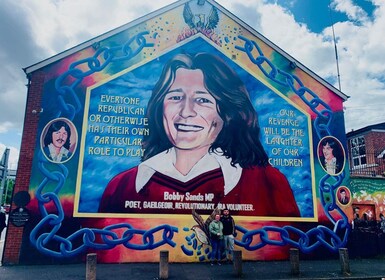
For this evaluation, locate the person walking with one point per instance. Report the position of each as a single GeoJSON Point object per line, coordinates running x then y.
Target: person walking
{"type": "Point", "coordinates": [216, 235]}
{"type": "Point", "coordinates": [228, 234]}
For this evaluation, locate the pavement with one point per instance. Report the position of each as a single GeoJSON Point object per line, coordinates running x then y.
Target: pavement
{"type": "Point", "coordinates": [324, 269]}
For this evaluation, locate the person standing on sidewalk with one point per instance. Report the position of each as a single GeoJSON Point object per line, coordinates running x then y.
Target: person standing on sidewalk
{"type": "Point", "coordinates": [2, 220]}
{"type": "Point", "coordinates": [216, 235]}
{"type": "Point", "coordinates": [228, 234]}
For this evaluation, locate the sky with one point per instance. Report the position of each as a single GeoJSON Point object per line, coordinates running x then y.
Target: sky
{"type": "Point", "coordinates": [34, 30]}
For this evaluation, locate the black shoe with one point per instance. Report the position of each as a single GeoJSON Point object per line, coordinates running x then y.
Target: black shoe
{"type": "Point", "coordinates": [219, 263]}
{"type": "Point", "coordinates": [212, 263]}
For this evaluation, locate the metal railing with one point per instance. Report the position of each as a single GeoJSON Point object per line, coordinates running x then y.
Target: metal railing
{"type": "Point", "coordinates": [374, 166]}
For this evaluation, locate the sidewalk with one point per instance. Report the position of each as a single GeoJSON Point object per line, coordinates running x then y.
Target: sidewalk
{"type": "Point", "coordinates": [325, 269]}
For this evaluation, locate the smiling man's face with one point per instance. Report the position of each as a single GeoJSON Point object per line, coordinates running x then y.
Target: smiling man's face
{"type": "Point", "coordinates": [190, 114]}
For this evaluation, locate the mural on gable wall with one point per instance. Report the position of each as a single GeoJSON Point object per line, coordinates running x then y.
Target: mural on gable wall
{"type": "Point", "coordinates": [186, 110]}
{"type": "Point", "coordinates": [368, 197]}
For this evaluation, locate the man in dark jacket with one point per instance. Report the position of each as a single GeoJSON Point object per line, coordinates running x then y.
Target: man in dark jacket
{"type": "Point", "coordinates": [2, 220]}
{"type": "Point", "coordinates": [228, 234]}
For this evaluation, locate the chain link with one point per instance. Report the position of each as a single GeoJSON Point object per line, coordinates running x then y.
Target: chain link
{"type": "Point", "coordinates": [67, 82]}
{"type": "Point", "coordinates": [44, 235]}
{"type": "Point", "coordinates": [323, 235]}
{"type": "Point", "coordinates": [107, 238]}
{"type": "Point", "coordinates": [292, 82]}
{"type": "Point", "coordinates": [288, 235]}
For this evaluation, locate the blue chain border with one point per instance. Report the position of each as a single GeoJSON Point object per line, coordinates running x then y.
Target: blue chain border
{"type": "Point", "coordinates": [288, 235]}
{"type": "Point", "coordinates": [42, 238]}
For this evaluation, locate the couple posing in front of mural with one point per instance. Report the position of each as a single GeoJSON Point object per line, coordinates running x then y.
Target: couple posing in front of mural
{"type": "Point", "coordinates": [203, 149]}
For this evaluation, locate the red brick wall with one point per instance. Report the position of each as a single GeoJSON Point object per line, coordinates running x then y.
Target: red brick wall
{"type": "Point", "coordinates": [376, 141]}
{"type": "Point", "coordinates": [31, 120]}
{"type": "Point", "coordinates": [374, 145]}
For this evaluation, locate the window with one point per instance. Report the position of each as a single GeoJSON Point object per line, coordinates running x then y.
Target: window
{"type": "Point", "coordinates": [358, 151]}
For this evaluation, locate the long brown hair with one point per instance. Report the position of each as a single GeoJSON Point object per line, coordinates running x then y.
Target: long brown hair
{"type": "Point", "coordinates": [239, 137]}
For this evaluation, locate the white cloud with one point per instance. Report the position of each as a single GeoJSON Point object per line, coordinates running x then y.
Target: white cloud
{"type": "Point", "coordinates": [360, 52]}
{"type": "Point", "coordinates": [13, 156]}
{"type": "Point", "coordinates": [60, 25]}
{"type": "Point", "coordinates": [362, 65]}
{"type": "Point", "coordinates": [5, 126]}
{"type": "Point", "coordinates": [33, 30]}
{"type": "Point", "coordinates": [311, 49]}
{"type": "Point", "coordinates": [353, 12]}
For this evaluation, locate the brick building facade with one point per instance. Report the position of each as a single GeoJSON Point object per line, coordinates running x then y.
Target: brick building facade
{"type": "Point", "coordinates": [366, 151]}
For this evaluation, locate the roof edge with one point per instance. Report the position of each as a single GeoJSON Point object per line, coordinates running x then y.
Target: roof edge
{"type": "Point", "coordinates": [378, 126]}
{"type": "Point", "coordinates": [29, 69]}
{"type": "Point", "coordinates": [281, 51]}
{"type": "Point", "coordinates": [115, 31]}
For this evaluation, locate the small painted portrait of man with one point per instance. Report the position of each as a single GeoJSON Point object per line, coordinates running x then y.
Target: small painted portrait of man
{"type": "Point", "coordinates": [331, 155]}
{"type": "Point", "coordinates": [343, 195]}
{"type": "Point", "coordinates": [59, 140]}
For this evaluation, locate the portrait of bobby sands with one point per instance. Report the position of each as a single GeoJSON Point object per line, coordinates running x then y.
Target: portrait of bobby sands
{"type": "Point", "coordinates": [203, 149]}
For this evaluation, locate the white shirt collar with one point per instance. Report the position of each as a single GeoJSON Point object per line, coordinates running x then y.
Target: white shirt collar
{"type": "Point", "coordinates": [57, 157]}
{"type": "Point", "coordinates": [164, 163]}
